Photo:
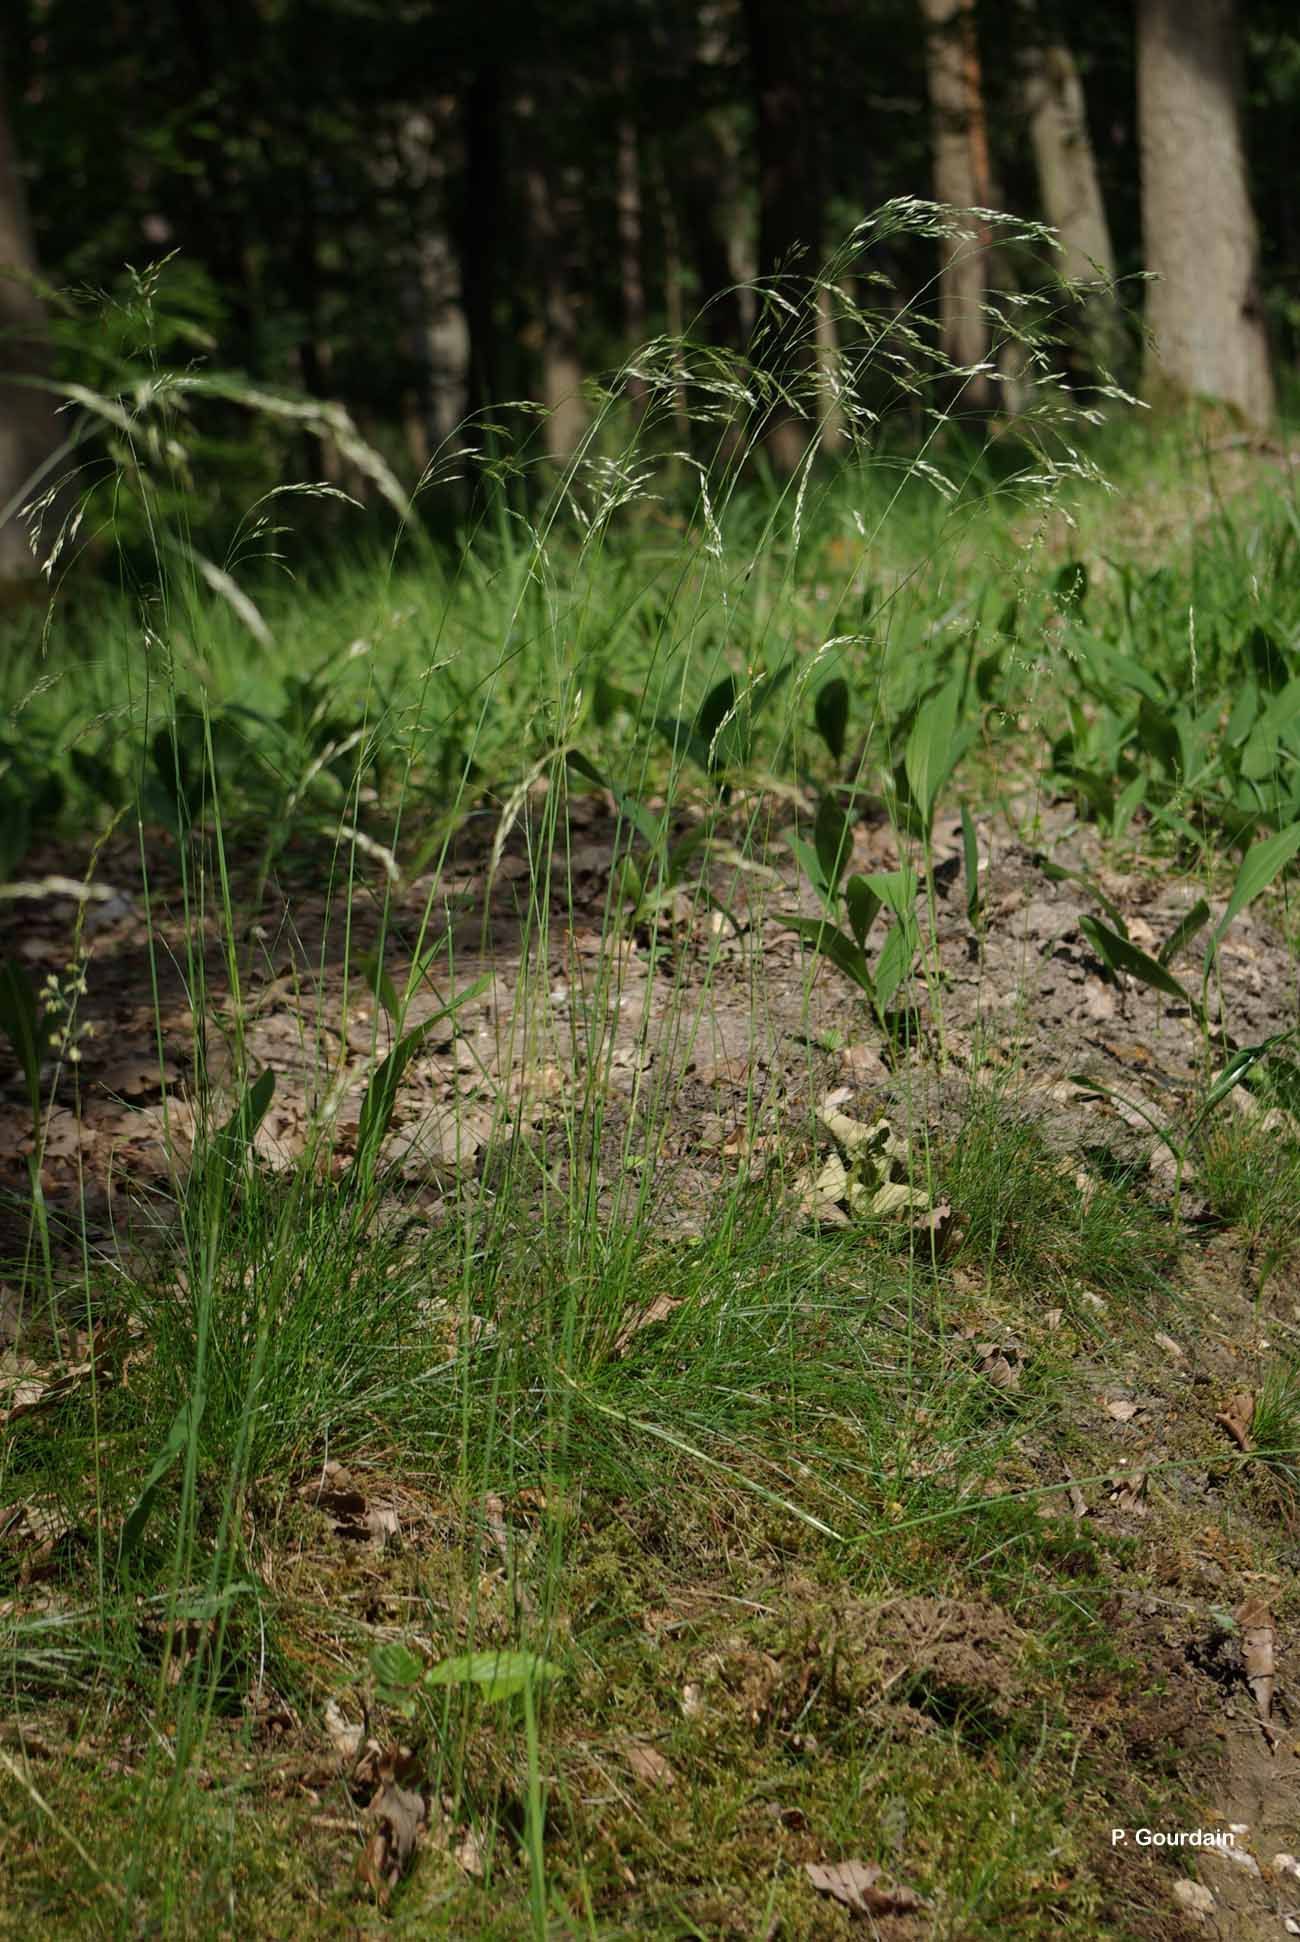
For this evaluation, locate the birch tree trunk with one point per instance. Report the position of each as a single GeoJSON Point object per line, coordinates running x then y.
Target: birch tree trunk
{"type": "Point", "coordinates": [1199, 235]}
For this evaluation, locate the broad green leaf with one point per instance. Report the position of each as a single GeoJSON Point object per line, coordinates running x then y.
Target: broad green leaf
{"type": "Point", "coordinates": [897, 956]}
{"type": "Point", "coordinates": [395, 1667]}
{"type": "Point", "coordinates": [97, 776]}
{"type": "Point", "coordinates": [1165, 1134]}
{"type": "Point", "coordinates": [1242, 1062]}
{"type": "Point", "coordinates": [1282, 710]}
{"type": "Point", "coordinates": [1187, 928]}
{"type": "Point", "coordinates": [1262, 652]}
{"type": "Point", "coordinates": [649, 827]}
{"type": "Point", "coordinates": [1128, 802]}
{"type": "Point", "coordinates": [767, 686]}
{"type": "Point", "coordinates": [1245, 709]}
{"type": "Point", "coordinates": [376, 976]}
{"type": "Point", "coordinates": [1132, 674]}
{"type": "Point", "coordinates": [1070, 587]}
{"type": "Point", "coordinates": [715, 707]}
{"type": "Point", "coordinates": [932, 749]}
{"type": "Point", "coordinates": [987, 676]}
{"type": "Point", "coordinates": [381, 1094]}
{"type": "Point", "coordinates": [498, 1675]}
{"type": "Point", "coordinates": [810, 863]}
{"type": "Point", "coordinates": [1262, 862]}
{"type": "Point", "coordinates": [971, 864]}
{"type": "Point", "coordinates": [896, 889]}
{"type": "Point", "coordinates": [863, 906]}
{"type": "Point", "coordinates": [680, 735]}
{"type": "Point", "coordinates": [833, 836]}
{"type": "Point", "coordinates": [722, 724]}
{"type": "Point", "coordinates": [683, 850]}
{"type": "Point", "coordinates": [184, 1426]}
{"type": "Point", "coordinates": [627, 882]}
{"type": "Point", "coordinates": [831, 713]}
{"type": "Point", "coordinates": [1118, 954]}
{"type": "Point", "coordinates": [21, 1024]}
{"type": "Point", "coordinates": [248, 1114]}
{"type": "Point", "coordinates": [1158, 735]}
{"type": "Point", "coordinates": [829, 942]}
{"type": "Point", "coordinates": [1058, 873]}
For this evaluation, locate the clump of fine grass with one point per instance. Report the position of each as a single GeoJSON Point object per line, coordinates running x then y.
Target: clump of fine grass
{"type": "Point", "coordinates": [1249, 1172]}
{"type": "Point", "coordinates": [1031, 1215]}
{"type": "Point", "coordinates": [1275, 1429]}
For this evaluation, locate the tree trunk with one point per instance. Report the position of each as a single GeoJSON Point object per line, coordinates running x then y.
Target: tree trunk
{"type": "Point", "coordinates": [1199, 235]}
{"type": "Point", "coordinates": [628, 200]}
{"type": "Point", "coordinates": [789, 203]}
{"type": "Point", "coordinates": [479, 227]}
{"type": "Point", "coordinates": [566, 414]}
{"type": "Point", "coordinates": [1068, 184]}
{"type": "Point", "coordinates": [29, 431]}
{"type": "Point", "coordinates": [961, 179]}
{"type": "Point", "coordinates": [830, 373]}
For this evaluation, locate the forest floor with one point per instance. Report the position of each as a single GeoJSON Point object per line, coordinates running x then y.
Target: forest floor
{"type": "Point", "coordinates": [922, 1571]}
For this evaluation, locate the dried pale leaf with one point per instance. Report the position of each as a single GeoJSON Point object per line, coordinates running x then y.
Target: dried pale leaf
{"type": "Point", "coordinates": [1170, 1347]}
{"type": "Point", "coordinates": [28, 1389]}
{"type": "Point", "coordinates": [336, 1493]}
{"type": "Point", "coordinates": [861, 1886]}
{"type": "Point", "coordinates": [944, 1226]}
{"type": "Point", "coordinates": [1236, 1418]}
{"type": "Point", "coordinates": [468, 1854]}
{"type": "Point", "coordinates": [692, 1700]}
{"type": "Point", "coordinates": [818, 1195]}
{"type": "Point", "coordinates": [132, 1077]}
{"type": "Point", "coordinates": [647, 1764]}
{"type": "Point", "coordinates": [998, 1365]}
{"type": "Point", "coordinates": [1258, 1653]}
{"type": "Point", "coordinates": [346, 1739]}
{"type": "Point", "coordinates": [1128, 1493]}
{"type": "Point", "coordinates": [1122, 1408]}
{"type": "Point", "coordinates": [381, 1523]}
{"type": "Point", "coordinates": [864, 1064]}
{"type": "Point", "coordinates": [11, 1316]}
{"type": "Point", "coordinates": [658, 1310]}
{"type": "Point", "coordinates": [398, 1813]}
{"type": "Point", "coordinates": [895, 1196]}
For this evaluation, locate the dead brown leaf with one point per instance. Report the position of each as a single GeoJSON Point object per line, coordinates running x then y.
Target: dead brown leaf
{"type": "Point", "coordinates": [346, 1739]}
{"type": "Point", "coordinates": [134, 1077]}
{"type": "Point", "coordinates": [1258, 1653]}
{"type": "Point", "coordinates": [336, 1494]}
{"type": "Point", "coordinates": [398, 1813]}
{"type": "Point", "coordinates": [945, 1226]}
{"type": "Point", "coordinates": [1236, 1417]}
{"type": "Point", "coordinates": [861, 1886]}
{"type": "Point", "coordinates": [998, 1364]}
{"type": "Point", "coordinates": [1128, 1493]}
{"type": "Point", "coordinates": [468, 1854]}
{"type": "Point", "coordinates": [658, 1311]}
{"type": "Point", "coordinates": [27, 1387]}
{"type": "Point", "coordinates": [647, 1764]}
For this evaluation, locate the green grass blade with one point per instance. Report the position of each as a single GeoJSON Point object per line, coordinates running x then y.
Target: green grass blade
{"type": "Point", "coordinates": [1118, 954]}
